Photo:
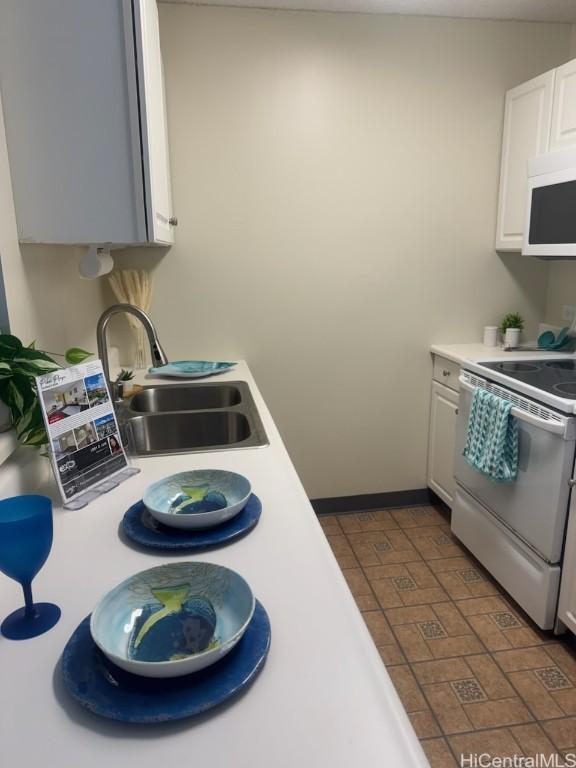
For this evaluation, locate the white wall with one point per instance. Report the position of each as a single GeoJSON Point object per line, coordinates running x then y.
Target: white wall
{"type": "Point", "coordinates": [335, 178]}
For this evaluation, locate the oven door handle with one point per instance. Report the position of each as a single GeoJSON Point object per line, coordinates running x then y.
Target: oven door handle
{"type": "Point", "coordinates": [557, 427]}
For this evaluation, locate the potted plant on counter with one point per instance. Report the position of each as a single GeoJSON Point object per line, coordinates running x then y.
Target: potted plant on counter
{"type": "Point", "coordinates": [19, 366]}
{"type": "Point", "coordinates": [511, 328]}
{"type": "Point", "coordinates": [123, 382]}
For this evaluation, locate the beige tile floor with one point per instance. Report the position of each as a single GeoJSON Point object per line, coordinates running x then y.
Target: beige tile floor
{"type": "Point", "coordinates": [474, 673]}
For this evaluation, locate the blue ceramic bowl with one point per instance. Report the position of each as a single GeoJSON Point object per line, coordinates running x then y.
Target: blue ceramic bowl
{"type": "Point", "coordinates": [174, 619]}
{"type": "Point", "coordinates": [202, 498]}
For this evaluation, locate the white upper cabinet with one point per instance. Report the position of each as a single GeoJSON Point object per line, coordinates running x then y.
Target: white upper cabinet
{"type": "Point", "coordinates": [527, 118]}
{"type": "Point", "coordinates": [83, 95]}
{"type": "Point", "coordinates": [563, 132]}
{"type": "Point", "coordinates": [539, 117]}
{"type": "Point", "coordinates": [154, 123]}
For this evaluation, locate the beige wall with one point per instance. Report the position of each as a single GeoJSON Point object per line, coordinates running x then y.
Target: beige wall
{"type": "Point", "coordinates": [561, 291]}
{"type": "Point", "coordinates": [335, 178]}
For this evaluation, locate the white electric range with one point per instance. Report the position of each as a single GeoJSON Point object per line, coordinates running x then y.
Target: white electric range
{"type": "Point", "coordinates": [517, 529]}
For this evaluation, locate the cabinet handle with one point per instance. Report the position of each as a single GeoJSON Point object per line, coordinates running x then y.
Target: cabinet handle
{"type": "Point", "coordinates": [173, 221]}
{"type": "Point", "coordinates": [456, 411]}
{"type": "Point", "coordinates": [445, 373]}
{"type": "Point", "coordinates": [572, 482]}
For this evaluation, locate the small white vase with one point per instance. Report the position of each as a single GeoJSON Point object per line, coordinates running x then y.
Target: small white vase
{"type": "Point", "coordinates": [511, 337]}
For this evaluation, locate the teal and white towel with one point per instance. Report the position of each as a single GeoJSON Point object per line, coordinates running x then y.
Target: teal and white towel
{"type": "Point", "coordinates": [492, 438]}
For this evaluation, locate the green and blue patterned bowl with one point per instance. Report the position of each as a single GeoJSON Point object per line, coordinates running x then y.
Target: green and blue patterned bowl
{"type": "Point", "coordinates": [202, 498]}
{"type": "Point", "coordinates": [174, 619]}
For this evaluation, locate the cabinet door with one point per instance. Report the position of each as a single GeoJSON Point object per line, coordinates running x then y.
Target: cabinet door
{"type": "Point", "coordinates": [153, 123]}
{"type": "Point", "coordinates": [527, 118]}
{"type": "Point", "coordinates": [567, 601]}
{"type": "Point", "coordinates": [443, 413]}
{"type": "Point", "coordinates": [563, 133]}
{"type": "Point", "coordinates": [69, 129]}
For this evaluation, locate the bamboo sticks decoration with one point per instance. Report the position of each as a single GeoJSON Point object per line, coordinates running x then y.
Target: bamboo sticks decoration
{"type": "Point", "coordinates": [132, 286]}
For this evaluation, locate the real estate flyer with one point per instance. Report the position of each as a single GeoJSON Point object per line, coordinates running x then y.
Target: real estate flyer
{"type": "Point", "coordinates": [82, 428]}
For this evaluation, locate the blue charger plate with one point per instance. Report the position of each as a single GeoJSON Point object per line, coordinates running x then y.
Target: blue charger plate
{"type": "Point", "coordinates": [191, 369]}
{"type": "Point", "coordinates": [139, 526]}
{"type": "Point", "coordinates": [104, 689]}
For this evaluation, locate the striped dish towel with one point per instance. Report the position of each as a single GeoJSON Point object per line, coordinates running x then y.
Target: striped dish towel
{"type": "Point", "coordinates": [492, 437]}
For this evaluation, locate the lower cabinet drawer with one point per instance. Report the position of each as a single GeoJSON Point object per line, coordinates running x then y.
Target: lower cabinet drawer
{"type": "Point", "coordinates": [446, 372]}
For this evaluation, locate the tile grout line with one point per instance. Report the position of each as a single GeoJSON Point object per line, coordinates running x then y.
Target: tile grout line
{"type": "Point", "coordinates": [543, 644]}
{"type": "Point", "coordinates": [410, 664]}
{"type": "Point", "coordinates": [450, 600]}
{"type": "Point", "coordinates": [432, 713]}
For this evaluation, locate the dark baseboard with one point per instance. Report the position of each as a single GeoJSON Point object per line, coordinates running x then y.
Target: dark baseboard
{"type": "Point", "coordinates": [369, 501]}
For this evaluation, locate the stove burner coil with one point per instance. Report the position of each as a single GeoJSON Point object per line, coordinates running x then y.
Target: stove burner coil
{"type": "Point", "coordinates": [563, 365]}
{"type": "Point", "coordinates": [566, 388]}
{"type": "Point", "coordinates": [518, 367]}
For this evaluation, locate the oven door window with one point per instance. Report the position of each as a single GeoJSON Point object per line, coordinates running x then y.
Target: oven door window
{"type": "Point", "coordinates": [553, 214]}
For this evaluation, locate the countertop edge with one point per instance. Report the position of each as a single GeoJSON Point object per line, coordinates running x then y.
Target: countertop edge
{"type": "Point", "coordinates": [462, 353]}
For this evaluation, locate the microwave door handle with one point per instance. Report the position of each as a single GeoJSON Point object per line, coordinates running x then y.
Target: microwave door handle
{"type": "Point", "coordinates": [558, 428]}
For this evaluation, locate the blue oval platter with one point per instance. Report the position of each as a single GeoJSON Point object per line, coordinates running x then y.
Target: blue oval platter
{"type": "Point", "coordinates": [140, 527]}
{"type": "Point", "coordinates": [191, 369]}
{"type": "Point", "coordinates": [104, 689]}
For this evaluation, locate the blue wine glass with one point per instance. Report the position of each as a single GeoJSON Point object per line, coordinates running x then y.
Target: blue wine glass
{"type": "Point", "coordinates": [25, 543]}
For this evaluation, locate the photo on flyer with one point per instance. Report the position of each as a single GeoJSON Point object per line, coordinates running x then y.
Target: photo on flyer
{"type": "Point", "coordinates": [85, 440]}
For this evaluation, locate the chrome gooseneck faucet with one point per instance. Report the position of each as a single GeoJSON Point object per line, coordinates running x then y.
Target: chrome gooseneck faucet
{"type": "Point", "coordinates": [157, 353]}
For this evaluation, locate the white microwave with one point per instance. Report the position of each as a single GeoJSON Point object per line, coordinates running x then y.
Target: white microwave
{"type": "Point", "coordinates": [550, 226]}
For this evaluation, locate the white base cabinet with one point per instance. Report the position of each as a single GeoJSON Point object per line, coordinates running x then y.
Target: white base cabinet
{"type": "Point", "coordinates": [442, 434]}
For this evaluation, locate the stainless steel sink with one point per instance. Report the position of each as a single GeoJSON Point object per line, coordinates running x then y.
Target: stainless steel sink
{"type": "Point", "coordinates": [185, 397]}
{"type": "Point", "coordinates": [187, 418]}
{"type": "Point", "coordinates": [183, 432]}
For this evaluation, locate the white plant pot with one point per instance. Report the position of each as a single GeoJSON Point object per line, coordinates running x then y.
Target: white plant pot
{"type": "Point", "coordinates": [512, 337]}
{"type": "Point", "coordinates": [5, 417]}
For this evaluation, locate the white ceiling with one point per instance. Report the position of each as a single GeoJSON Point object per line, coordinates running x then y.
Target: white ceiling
{"type": "Point", "coordinates": [525, 10]}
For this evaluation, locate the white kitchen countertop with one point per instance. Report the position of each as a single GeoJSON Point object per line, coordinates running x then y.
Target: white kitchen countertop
{"type": "Point", "coordinates": [323, 700]}
{"type": "Point", "coordinates": [461, 353]}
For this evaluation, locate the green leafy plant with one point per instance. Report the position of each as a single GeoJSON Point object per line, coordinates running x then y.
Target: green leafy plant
{"type": "Point", "coordinates": [511, 320]}
{"type": "Point", "coordinates": [125, 375]}
{"type": "Point", "coordinates": [19, 365]}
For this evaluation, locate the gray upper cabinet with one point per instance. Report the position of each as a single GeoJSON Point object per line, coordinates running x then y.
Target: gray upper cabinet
{"type": "Point", "coordinates": [83, 93]}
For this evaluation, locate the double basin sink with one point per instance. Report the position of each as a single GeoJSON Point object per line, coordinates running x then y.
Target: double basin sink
{"type": "Point", "coordinates": [187, 418]}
